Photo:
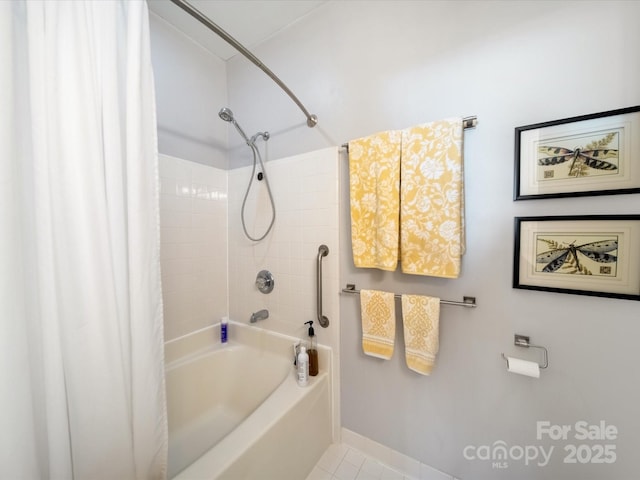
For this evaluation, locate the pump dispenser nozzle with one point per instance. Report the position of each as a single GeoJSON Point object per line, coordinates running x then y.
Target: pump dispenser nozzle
{"type": "Point", "coordinates": [311, 331]}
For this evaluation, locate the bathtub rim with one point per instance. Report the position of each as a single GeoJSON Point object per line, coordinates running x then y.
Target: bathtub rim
{"type": "Point", "coordinates": [207, 339]}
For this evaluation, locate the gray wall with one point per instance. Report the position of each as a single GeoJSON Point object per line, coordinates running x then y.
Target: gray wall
{"type": "Point", "coordinates": [369, 66]}
{"type": "Point", "coordinates": [191, 87]}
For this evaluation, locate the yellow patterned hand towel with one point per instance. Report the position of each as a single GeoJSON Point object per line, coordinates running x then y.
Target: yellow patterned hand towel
{"type": "Point", "coordinates": [378, 323]}
{"type": "Point", "coordinates": [420, 319]}
{"type": "Point", "coordinates": [432, 199]}
{"type": "Point", "coordinates": [374, 185]}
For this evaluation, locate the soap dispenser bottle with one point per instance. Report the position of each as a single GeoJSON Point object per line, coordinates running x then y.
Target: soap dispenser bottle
{"type": "Point", "coordinates": [313, 350]}
{"type": "Point", "coordinates": [303, 367]}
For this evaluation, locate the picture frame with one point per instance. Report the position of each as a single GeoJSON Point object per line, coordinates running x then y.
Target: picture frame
{"type": "Point", "coordinates": [597, 255]}
{"type": "Point", "coordinates": [596, 154]}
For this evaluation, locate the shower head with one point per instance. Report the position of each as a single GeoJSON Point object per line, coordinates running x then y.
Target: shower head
{"type": "Point", "coordinates": [227, 115]}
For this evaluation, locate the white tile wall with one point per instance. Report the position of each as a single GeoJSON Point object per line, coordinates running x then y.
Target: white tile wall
{"type": "Point", "coordinates": [305, 189]}
{"type": "Point", "coordinates": [193, 218]}
{"type": "Point", "coordinates": [193, 226]}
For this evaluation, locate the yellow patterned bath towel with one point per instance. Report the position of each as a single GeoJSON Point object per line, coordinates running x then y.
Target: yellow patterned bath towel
{"type": "Point", "coordinates": [374, 180]}
{"type": "Point", "coordinates": [432, 199]}
{"type": "Point", "coordinates": [378, 323]}
{"type": "Point", "coordinates": [420, 319]}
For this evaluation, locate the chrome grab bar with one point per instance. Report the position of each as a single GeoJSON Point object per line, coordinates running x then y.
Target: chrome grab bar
{"type": "Point", "coordinates": [323, 251]}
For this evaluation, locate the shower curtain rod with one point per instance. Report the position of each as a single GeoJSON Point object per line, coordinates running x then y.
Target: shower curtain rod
{"type": "Point", "coordinates": [467, 122]}
{"type": "Point", "coordinates": [312, 119]}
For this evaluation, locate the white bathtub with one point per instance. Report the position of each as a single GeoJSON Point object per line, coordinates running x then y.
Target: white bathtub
{"type": "Point", "coordinates": [235, 410]}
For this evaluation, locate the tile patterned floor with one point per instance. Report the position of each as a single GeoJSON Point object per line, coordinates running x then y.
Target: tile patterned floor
{"type": "Point", "coordinates": [341, 462]}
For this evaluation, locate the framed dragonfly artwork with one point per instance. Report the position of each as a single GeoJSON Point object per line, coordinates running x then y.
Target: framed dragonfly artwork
{"type": "Point", "coordinates": [595, 255]}
{"type": "Point", "coordinates": [596, 154]}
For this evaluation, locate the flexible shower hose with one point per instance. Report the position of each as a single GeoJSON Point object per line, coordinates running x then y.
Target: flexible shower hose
{"type": "Point", "coordinates": [257, 157]}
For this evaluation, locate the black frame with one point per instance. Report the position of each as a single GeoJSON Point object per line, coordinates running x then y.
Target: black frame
{"type": "Point", "coordinates": [517, 254]}
{"type": "Point", "coordinates": [517, 171]}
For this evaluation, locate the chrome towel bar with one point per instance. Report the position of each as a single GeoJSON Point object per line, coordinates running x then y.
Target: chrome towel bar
{"type": "Point", "coordinates": [469, 302]}
{"type": "Point", "coordinates": [467, 123]}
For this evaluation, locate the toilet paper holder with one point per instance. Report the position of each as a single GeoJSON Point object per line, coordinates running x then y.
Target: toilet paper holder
{"type": "Point", "coordinates": [523, 341]}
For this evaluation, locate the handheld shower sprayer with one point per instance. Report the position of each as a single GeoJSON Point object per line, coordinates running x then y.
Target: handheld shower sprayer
{"type": "Point", "coordinates": [227, 115]}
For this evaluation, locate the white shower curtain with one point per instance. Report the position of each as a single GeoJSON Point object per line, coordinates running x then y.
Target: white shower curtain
{"type": "Point", "coordinates": [81, 349]}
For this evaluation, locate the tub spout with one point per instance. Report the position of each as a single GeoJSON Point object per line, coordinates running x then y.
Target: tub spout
{"type": "Point", "coordinates": [260, 315]}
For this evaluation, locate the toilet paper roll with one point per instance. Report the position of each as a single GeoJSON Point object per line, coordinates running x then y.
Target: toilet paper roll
{"type": "Point", "coordinates": [523, 367]}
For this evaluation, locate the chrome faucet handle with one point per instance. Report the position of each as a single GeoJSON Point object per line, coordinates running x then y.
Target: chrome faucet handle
{"type": "Point", "coordinates": [265, 281]}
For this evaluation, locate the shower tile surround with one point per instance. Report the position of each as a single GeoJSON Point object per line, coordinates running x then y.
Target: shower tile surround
{"type": "Point", "coordinates": [200, 225]}
{"type": "Point", "coordinates": [196, 235]}
{"type": "Point", "coordinates": [305, 189]}
{"type": "Point", "coordinates": [193, 229]}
